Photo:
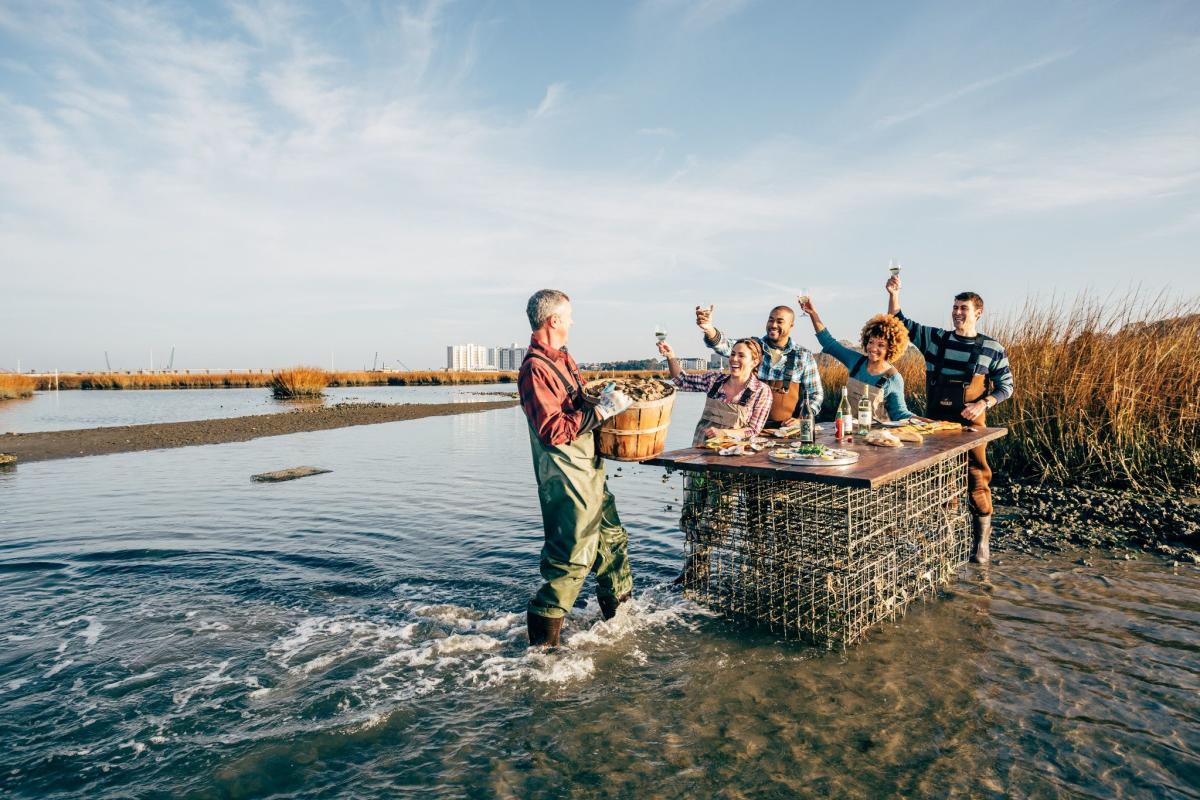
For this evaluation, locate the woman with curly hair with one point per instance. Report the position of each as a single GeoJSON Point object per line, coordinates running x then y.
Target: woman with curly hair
{"type": "Point", "coordinates": [883, 339]}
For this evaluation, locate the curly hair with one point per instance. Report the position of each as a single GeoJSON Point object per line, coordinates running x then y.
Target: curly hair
{"type": "Point", "coordinates": [888, 328]}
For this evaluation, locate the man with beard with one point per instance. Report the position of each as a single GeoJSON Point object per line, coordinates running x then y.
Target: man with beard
{"type": "Point", "coordinates": [789, 369]}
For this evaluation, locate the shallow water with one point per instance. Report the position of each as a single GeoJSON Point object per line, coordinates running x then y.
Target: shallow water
{"type": "Point", "coordinates": [71, 410]}
{"type": "Point", "coordinates": [172, 629]}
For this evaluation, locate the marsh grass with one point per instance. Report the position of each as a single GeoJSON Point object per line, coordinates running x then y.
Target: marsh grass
{"type": "Point", "coordinates": [13, 386]}
{"type": "Point", "coordinates": [1107, 392]}
{"type": "Point", "coordinates": [298, 382]}
{"type": "Point", "coordinates": [263, 378]}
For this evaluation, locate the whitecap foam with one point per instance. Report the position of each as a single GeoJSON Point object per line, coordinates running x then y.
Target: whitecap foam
{"type": "Point", "coordinates": [91, 634]}
{"type": "Point", "coordinates": [214, 678]}
{"type": "Point", "coordinates": [59, 667]}
{"type": "Point", "coordinates": [145, 676]}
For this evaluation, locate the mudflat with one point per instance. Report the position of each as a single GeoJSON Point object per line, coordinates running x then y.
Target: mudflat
{"type": "Point", "coordinates": [130, 438]}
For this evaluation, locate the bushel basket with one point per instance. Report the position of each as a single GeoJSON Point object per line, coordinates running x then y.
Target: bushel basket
{"type": "Point", "coordinates": [637, 433]}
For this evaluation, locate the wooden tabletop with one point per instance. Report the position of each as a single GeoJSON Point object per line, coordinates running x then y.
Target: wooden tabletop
{"type": "Point", "coordinates": [875, 467]}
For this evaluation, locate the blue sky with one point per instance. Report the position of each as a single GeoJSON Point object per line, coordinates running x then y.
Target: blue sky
{"type": "Point", "coordinates": [264, 184]}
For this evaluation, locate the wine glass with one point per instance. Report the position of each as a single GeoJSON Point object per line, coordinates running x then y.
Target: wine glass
{"type": "Point", "coordinates": [660, 333]}
{"type": "Point", "coordinates": [894, 267]}
{"type": "Point", "coordinates": [805, 297]}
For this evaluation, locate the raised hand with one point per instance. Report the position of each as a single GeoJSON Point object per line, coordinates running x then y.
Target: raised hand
{"type": "Point", "coordinates": [893, 285]}
{"type": "Point", "coordinates": [704, 316]}
{"type": "Point", "coordinates": [666, 350]}
{"type": "Point", "coordinates": [806, 304]}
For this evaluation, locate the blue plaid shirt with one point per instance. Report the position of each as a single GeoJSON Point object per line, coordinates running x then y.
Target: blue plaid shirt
{"type": "Point", "coordinates": [805, 372]}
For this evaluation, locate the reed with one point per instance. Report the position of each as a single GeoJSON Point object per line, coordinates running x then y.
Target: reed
{"type": "Point", "coordinates": [194, 379]}
{"type": "Point", "coordinates": [13, 386]}
{"type": "Point", "coordinates": [298, 382]}
{"type": "Point", "coordinates": [1107, 392]}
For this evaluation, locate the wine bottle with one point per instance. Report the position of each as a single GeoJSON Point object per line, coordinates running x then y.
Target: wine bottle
{"type": "Point", "coordinates": [864, 412]}
{"type": "Point", "coordinates": [808, 425]}
{"type": "Point", "coordinates": [843, 421]}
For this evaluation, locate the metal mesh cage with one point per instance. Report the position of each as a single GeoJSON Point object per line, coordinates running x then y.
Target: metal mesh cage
{"type": "Point", "coordinates": [819, 562]}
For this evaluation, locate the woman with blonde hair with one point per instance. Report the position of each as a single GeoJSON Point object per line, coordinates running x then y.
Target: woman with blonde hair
{"type": "Point", "coordinates": [884, 339]}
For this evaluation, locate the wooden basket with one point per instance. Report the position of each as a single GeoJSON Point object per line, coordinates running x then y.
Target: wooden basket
{"type": "Point", "coordinates": [637, 433]}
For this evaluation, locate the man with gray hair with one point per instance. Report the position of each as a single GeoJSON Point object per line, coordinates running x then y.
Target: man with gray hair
{"type": "Point", "coordinates": [583, 532]}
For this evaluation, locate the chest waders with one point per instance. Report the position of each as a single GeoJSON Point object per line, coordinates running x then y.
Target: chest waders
{"type": "Point", "coordinates": [855, 389]}
{"type": "Point", "coordinates": [946, 399]}
{"type": "Point", "coordinates": [583, 532]}
{"type": "Point", "coordinates": [698, 499]}
{"type": "Point", "coordinates": [785, 394]}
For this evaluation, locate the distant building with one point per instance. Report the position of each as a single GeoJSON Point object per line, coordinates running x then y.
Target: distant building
{"type": "Point", "coordinates": [693, 363]}
{"type": "Point", "coordinates": [510, 358]}
{"type": "Point", "coordinates": [463, 357]}
{"type": "Point", "coordinates": [717, 361]}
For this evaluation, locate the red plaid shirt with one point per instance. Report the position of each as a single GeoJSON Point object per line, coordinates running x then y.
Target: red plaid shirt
{"type": "Point", "coordinates": [557, 413]}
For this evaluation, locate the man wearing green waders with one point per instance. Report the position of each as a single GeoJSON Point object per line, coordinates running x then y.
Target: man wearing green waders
{"type": "Point", "coordinates": [579, 516]}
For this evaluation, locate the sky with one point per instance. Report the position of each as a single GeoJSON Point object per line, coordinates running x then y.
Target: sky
{"type": "Point", "coordinates": [269, 184]}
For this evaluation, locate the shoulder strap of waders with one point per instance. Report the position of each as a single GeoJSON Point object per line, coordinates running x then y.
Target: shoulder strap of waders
{"type": "Point", "coordinates": [857, 365]}
{"type": "Point", "coordinates": [789, 369]}
{"type": "Point", "coordinates": [975, 351]}
{"type": "Point", "coordinates": [714, 391]}
{"type": "Point", "coordinates": [572, 393]}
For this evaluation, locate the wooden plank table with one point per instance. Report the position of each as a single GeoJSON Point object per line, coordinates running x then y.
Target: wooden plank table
{"type": "Point", "coordinates": [876, 466]}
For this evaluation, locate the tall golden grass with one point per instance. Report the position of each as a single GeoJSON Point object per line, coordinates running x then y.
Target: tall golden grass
{"type": "Point", "coordinates": [13, 386]}
{"type": "Point", "coordinates": [1107, 392]}
{"type": "Point", "coordinates": [298, 382]}
{"type": "Point", "coordinates": [262, 378]}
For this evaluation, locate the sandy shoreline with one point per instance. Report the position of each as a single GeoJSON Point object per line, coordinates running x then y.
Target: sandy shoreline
{"type": "Point", "coordinates": [131, 438]}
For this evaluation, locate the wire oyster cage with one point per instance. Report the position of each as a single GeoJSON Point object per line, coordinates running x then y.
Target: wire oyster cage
{"type": "Point", "coordinates": [817, 562]}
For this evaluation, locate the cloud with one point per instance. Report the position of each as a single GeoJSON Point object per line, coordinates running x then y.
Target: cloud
{"type": "Point", "coordinates": [551, 100]}
{"type": "Point", "coordinates": [970, 89]}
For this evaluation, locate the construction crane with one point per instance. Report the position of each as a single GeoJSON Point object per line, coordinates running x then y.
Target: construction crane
{"type": "Point", "coordinates": [107, 363]}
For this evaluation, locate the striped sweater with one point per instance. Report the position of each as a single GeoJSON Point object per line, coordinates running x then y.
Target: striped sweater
{"type": "Point", "coordinates": [992, 360]}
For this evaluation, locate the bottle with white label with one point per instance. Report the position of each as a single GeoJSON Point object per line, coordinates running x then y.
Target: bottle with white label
{"type": "Point", "coordinates": [864, 412]}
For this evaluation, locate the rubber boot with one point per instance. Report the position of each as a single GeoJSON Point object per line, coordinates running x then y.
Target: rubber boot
{"type": "Point", "coordinates": [608, 605]}
{"type": "Point", "coordinates": [981, 532]}
{"type": "Point", "coordinates": [543, 630]}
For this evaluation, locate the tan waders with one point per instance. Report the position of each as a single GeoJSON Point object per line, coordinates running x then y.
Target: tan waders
{"type": "Point", "coordinates": [582, 534]}
{"type": "Point", "coordinates": [718, 413]}
{"type": "Point", "coordinates": [855, 389]}
{"type": "Point", "coordinates": [946, 399]}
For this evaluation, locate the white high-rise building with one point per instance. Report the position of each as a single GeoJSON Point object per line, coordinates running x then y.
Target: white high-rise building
{"type": "Point", "coordinates": [468, 357]}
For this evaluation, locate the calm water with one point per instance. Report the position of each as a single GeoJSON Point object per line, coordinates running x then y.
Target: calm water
{"type": "Point", "coordinates": [172, 630]}
{"type": "Point", "coordinates": [62, 411]}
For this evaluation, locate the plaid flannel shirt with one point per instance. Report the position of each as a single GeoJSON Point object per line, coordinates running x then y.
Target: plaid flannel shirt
{"type": "Point", "coordinates": [805, 372]}
{"type": "Point", "coordinates": [760, 396]}
{"type": "Point", "coordinates": [557, 413]}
